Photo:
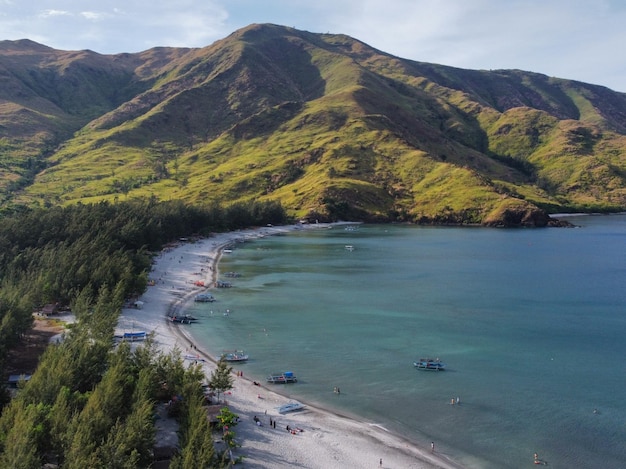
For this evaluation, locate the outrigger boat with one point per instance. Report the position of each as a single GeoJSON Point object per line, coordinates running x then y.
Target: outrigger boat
{"type": "Point", "coordinates": [282, 378]}
{"type": "Point", "coordinates": [139, 335]}
{"type": "Point", "coordinates": [235, 356]}
{"type": "Point", "coordinates": [185, 319]}
{"type": "Point", "coordinates": [204, 298]}
{"type": "Point", "coordinates": [290, 407]}
{"type": "Point", "coordinates": [429, 364]}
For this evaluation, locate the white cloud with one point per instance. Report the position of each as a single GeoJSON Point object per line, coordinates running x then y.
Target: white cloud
{"type": "Point", "coordinates": [93, 15]}
{"type": "Point", "coordinates": [564, 38]}
{"type": "Point", "coordinates": [183, 27]}
{"type": "Point", "coordinates": [52, 13]}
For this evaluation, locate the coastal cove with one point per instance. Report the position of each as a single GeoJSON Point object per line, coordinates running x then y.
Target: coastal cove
{"type": "Point", "coordinates": [323, 439]}
{"type": "Point", "coordinates": [529, 322]}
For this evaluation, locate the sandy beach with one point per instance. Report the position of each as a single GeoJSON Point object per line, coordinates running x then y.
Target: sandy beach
{"type": "Point", "coordinates": [326, 440]}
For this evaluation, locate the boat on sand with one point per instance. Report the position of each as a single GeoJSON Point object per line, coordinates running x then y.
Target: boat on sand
{"type": "Point", "coordinates": [290, 407]}
{"type": "Point", "coordinates": [132, 336]}
{"type": "Point", "coordinates": [195, 358]}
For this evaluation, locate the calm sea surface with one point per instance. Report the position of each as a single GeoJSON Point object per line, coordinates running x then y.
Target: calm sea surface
{"type": "Point", "coordinates": [531, 323]}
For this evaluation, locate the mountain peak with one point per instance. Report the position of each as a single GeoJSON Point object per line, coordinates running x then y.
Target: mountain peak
{"type": "Point", "coordinates": [22, 46]}
{"type": "Point", "coordinates": [324, 123]}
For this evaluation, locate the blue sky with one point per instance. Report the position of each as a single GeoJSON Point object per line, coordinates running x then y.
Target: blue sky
{"type": "Point", "coordinates": [576, 39]}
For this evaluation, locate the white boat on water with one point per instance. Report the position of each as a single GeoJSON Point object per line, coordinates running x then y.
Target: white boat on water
{"type": "Point", "coordinates": [429, 364]}
{"type": "Point", "coordinates": [204, 298]}
{"type": "Point", "coordinates": [290, 407]}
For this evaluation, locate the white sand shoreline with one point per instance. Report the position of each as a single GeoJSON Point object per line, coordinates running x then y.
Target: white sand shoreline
{"type": "Point", "coordinates": [327, 441]}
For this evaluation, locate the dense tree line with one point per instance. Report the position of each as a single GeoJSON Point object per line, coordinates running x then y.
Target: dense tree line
{"type": "Point", "coordinates": [49, 255]}
{"type": "Point", "coordinates": [89, 404]}
{"type": "Point", "coordinates": [62, 249]}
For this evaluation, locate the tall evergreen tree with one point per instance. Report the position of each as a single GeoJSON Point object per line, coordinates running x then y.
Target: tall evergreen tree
{"type": "Point", "coordinates": [20, 443]}
{"type": "Point", "coordinates": [221, 378]}
{"type": "Point", "coordinates": [59, 422]}
{"type": "Point", "coordinates": [197, 450]}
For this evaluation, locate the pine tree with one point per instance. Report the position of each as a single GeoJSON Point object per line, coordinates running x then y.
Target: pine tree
{"type": "Point", "coordinates": [221, 378]}
{"type": "Point", "coordinates": [20, 443]}
{"type": "Point", "coordinates": [197, 450]}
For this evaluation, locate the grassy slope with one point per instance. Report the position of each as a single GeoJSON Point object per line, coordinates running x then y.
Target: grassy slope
{"type": "Point", "coordinates": [328, 125]}
{"type": "Point", "coordinates": [48, 95]}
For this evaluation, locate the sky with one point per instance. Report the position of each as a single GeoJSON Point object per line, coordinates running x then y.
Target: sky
{"type": "Point", "coordinates": [575, 39]}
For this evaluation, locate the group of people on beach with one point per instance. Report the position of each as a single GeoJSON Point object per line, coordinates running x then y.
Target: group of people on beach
{"type": "Point", "coordinates": [290, 429]}
{"type": "Point", "coordinates": [258, 422]}
{"type": "Point", "coordinates": [294, 431]}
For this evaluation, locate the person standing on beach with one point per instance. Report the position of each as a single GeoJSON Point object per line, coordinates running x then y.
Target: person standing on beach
{"type": "Point", "coordinates": [432, 446]}
{"type": "Point", "coordinates": [380, 464]}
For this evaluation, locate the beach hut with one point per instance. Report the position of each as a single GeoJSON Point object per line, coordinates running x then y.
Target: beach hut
{"type": "Point", "coordinates": [14, 380]}
{"type": "Point", "coordinates": [49, 309]}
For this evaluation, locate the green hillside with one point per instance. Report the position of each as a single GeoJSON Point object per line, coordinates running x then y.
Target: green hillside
{"type": "Point", "coordinates": [328, 126]}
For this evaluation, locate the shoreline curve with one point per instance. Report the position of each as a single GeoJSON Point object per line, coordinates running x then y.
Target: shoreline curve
{"type": "Point", "coordinates": [328, 439]}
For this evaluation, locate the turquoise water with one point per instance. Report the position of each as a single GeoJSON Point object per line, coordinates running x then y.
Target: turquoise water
{"type": "Point", "coordinates": [531, 323]}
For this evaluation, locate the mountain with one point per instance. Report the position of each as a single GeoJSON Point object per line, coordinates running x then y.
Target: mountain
{"type": "Point", "coordinates": [328, 125]}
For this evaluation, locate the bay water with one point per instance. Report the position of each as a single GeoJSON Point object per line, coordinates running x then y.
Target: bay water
{"type": "Point", "coordinates": [530, 322]}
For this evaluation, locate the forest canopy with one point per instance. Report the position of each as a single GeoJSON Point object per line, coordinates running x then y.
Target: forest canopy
{"type": "Point", "coordinates": [89, 404]}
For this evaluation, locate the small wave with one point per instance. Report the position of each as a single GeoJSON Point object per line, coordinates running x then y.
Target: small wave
{"type": "Point", "coordinates": [378, 425]}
